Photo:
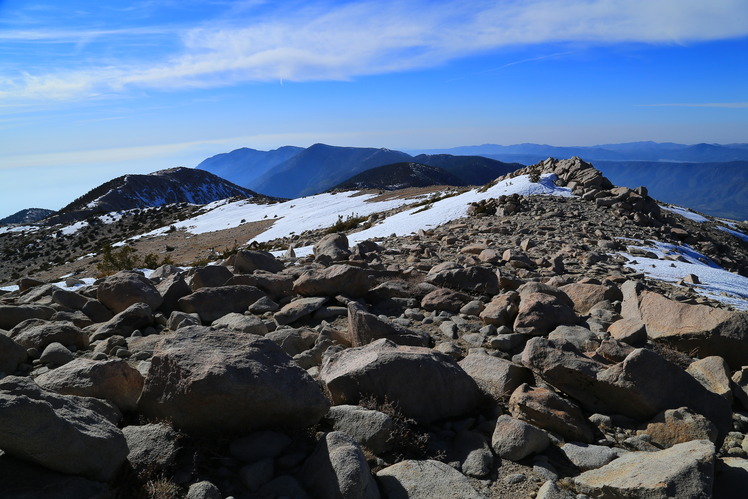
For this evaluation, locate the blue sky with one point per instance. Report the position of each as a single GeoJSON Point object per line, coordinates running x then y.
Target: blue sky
{"type": "Point", "coordinates": [92, 90]}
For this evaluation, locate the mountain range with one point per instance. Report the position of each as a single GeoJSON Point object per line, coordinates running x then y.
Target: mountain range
{"type": "Point", "coordinates": [529, 153]}
{"type": "Point", "coordinates": [27, 216]}
{"type": "Point", "coordinates": [322, 167]}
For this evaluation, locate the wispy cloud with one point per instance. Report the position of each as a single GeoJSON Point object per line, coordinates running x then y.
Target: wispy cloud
{"type": "Point", "coordinates": [322, 41]}
{"type": "Point", "coordinates": [728, 105]}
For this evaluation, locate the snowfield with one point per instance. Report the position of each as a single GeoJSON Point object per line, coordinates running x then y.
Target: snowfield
{"type": "Point", "coordinates": [685, 212]}
{"type": "Point", "coordinates": [445, 210]}
{"type": "Point", "coordinates": [716, 283]}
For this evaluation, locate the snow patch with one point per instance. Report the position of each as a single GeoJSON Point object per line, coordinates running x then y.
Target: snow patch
{"type": "Point", "coordinates": [716, 282]}
{"type": "Point", "coordinates": [735, 233]}
{"type": "Point", "coordinates": [685, 212]}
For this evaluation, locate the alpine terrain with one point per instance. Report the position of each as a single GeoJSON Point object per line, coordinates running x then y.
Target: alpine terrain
{"type": "Point", "coordinates": [547, 334]}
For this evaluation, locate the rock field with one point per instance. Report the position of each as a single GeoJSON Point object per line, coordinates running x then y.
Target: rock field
{"type": "Point", "coordinates": [508, 354]}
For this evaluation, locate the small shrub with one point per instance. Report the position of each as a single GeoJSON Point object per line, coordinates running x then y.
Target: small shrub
{"type": "Point", "coordinates": [342, 225]}
{"type": "Point", "coordinates": [113, 261]}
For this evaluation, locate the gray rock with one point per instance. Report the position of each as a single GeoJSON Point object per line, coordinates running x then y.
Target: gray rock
{"type": "Point", "coordinates": [213, 303]}
{"type": "Point", "coordinates": [113, 380]}
{"type": "Point", "coordinates": [136, 316]}
{"type": "Point", "coordinates": [59, 432]}
{"type": "Point", "coordinates": [264, 304]}
{"type": "Point", "coordinates": [218, 381]}
{"type": "Point", "coordinates": [713, 374]}
{"type": "Point", "coordinates": [411, 479]}
{"type": "Point", "coordinates": [11, 354]}
{"type": "Point", "coordinates": [495, 377]}
{"type": "Point", "coordinates": [277, 286]}
{"type": "Point", "coordinates": [211, 276]}
{"type": "Point", "coordinates": [181, 319]}
{"type": "Point", "coordinates": [473, 279]}
{"type": "Point", "coordinates": [247, 324]}
{"type": "Point", "coordinates": [335, 280]}
{"type": "Point", "coordinates": [541, 313]}
{"type": "Point", "coordinates": [369, 428]}
{"type": "Point", "coordinates": [55, 354]}
{"type": "Point", "coordinates": [684, 470]}
{"type": "Point", "coordinates": [675, 426]}
{"type": "Point", "coordinates": [283, 486]}
{"type": "Point", "coordinates": [551, 490]}
{"type": "Point", "coordinates": [12, 315]}
{"type": "Point", "coordinates": [548, 410]}
{"type": "Point", "coordinates": [426, 385]}
{"type": "Point", "coordinates": [444, 299]}
{"type": "Point", "coordinates": [39, 336]}
{"type": "Point", "coordinates": [364, 328]}
{"type": "Point", "coordinates": [588, 456]}
{"type": "Point", "coordinates": [625, 388]}
{"type": "Point", "coordinates": [126, 288]}
{"type": "Point", "coordinates": [471, 450]}
{"type": "Point", "coordinates": [203, 490]}
{"type": "Point", "coordinates": [514, 439]}
{"type": "Point", "coordinates": [298, 309]}
{"type": "Point", "coordinates": [337, 469]}
{"type": "Point", "coordinates": [334, 246]}
{"type": "Point", "coordinates": [247, 262]}
{"type": "Point", "coordinates": [293, 341]}
{"type": "Point", "coordinates": [582, 338]}
{"type": "Point", "coordinates": [153, 448]}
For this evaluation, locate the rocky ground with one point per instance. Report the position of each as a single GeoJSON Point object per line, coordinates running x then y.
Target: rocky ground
{"type": "Point", "coordinates": [508, 354]}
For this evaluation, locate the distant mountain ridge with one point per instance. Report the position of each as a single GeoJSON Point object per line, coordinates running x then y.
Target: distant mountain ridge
{"type": "Point", "coordinates": [321, 167]}
{"type": "Point", "coordinates": [174, 185]}
{"type": "Point", "coordinates": [400, 176]}
{"type": "Point", "coordinates": [243, 166]}
{"type": "Point", "coordinates": [530, 153]}
{"type": "Point", "coordinates": [27, 216]}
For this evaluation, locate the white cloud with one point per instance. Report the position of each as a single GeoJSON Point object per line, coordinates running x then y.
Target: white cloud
{"type": "Point", "coordinates": [321, 42]}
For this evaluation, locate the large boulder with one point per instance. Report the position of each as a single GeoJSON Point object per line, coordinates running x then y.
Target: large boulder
{"type": "Point", "coordinates": [363, 328]}
{"type": "Point", "coordinates": [370, 428]}
{"type": "Point", "coordinates": [247, 262]}
{"type": "Point", "coordinates": [113, 380]}
{"type": "Point", "coordinates": [472, 279]}
{"type": "Point", "coordinates": [12, 315]}
{"type": "Point", "coordinates": [546, 409]}
{"type": "Point", "coordinates": [337, 469]}
{"type": "Point", "coordinates": [277, 286]}
{"type": "Point", "coordinates": [411, 479]}
{"type": "Point", "coordinates": [496, 377]}
{"type": "Point", "coordinates": [153, 448]}
{"type": "Point", "coordinates": [213, 303]}
{"type": "Point", "coordinates": [502, 310]}
{"type": "Point", "coordinates": [444, 299]}
{"type": "Point", "coordinates": [684, 470]}
{"type": "Point", "coordinates": [60, 432]}
{"type": "Point", "coordinates": [627, 387]}
{"type": "Point", "coordinates": [334, 280]}
{"type": "Point", "coordinates": [424, 384]}
{"type": "Point", "coordinates": [541, 313]}
{"type": "Point", "coordinates": [585, 295]}
{"type": "Point", "coordinates": [515, 439]}
{"type": "Point", "coordinates": [208, 381]}
{"type": "Point", "coordinates": [126, 288]}
{"type": "Point", "coordinates": [136, 316]}
{"type": "Point", "coordinates": [40, 335]}
{"type": "Point", "coordinates": [211, 276]}
{"type": "Point", "coordinates": [334, 246]}
{"type": "Point", "coordinates": [11, 355]}
{"type": "Point", "coordinates": [172, 288]}
{"type": "Point", "coordinates": [298, 309]}
{"type": "Point", "coordinates": [695, 329]}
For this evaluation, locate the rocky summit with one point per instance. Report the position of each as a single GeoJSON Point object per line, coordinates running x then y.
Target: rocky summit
{"type": "Point", "coordinates": [520, 351]}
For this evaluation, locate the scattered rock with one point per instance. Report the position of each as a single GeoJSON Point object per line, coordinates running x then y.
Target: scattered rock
{"type": "Point", "coordinates": [514, 439]}
{"type": "Point", "coordinates": [335, 280]}
{"type": "Point", "coordinates": [213, 303]}
{"type": "Point", "coordinates": [126, 288]}
{"type": "Point", "coordinates": [413, 479]}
